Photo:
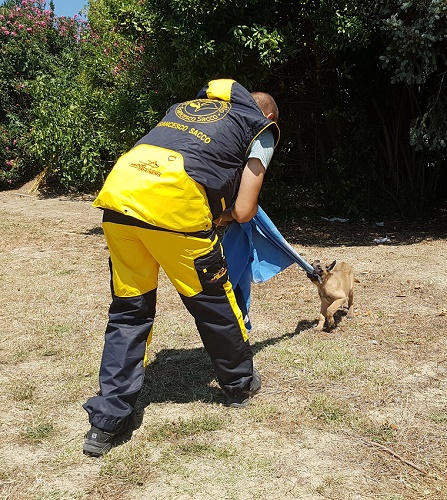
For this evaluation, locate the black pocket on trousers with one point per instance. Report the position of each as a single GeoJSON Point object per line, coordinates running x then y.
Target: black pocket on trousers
{"type": "Point", "coordinates": [212, 271]}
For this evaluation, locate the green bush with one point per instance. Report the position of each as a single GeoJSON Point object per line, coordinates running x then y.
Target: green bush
{"type": "Point", "coordinates": [34, 44]}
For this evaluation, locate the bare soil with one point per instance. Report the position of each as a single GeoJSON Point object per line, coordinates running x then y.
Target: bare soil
{"type": "Point", "coordinates": [387, 441]}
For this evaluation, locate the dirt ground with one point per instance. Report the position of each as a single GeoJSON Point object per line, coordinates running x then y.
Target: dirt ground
{"type": "Point", "coordinates": [54, 291]}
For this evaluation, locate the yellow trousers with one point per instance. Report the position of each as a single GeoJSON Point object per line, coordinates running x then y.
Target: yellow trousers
{"type": "Point", "coordinates": [196, 266]}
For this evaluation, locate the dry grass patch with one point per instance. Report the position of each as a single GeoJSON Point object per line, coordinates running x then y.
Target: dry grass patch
{"type": "Point", "coordinates": [358, 412]}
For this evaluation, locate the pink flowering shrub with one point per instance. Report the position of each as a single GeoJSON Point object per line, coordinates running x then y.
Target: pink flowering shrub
{"type": "Point", "coordinates": [35, 43]}
{"type": "Point", "coordinates": [85, 120]}
{"type": "Point", "coordinates": [73, 97]}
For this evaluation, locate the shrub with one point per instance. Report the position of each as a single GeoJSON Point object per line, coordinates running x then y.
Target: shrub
{"type": "Point", "coordinates": [34, 44]}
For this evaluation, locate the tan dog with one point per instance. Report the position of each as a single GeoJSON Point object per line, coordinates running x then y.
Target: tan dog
{"type": "Point", "coordinates": [335, 287]}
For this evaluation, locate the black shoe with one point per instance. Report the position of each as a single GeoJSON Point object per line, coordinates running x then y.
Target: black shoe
{"type": "Point", "coordinates": [98, 442]}
{"type": "Point", "coordinates": [243, 400]}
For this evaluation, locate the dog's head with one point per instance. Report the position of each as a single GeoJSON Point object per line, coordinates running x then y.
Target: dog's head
{"type": "Point", "coordinates": [319, 272]}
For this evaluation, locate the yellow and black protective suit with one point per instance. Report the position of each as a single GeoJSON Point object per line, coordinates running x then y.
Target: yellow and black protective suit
{"type": "Point", "coordinates": [159, 202]}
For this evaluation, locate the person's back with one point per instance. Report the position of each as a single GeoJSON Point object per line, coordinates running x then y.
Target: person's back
{"type": "Point", "coordinates": [186, 171]}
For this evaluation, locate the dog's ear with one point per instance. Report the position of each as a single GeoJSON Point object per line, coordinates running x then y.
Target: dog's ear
{"type": "Point", "coordinates": [331, 266]}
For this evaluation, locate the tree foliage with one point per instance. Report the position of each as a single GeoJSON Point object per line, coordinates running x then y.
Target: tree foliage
{"type": "Point", "coordinates": [360, 86]}
{"type": "Point", "coordinates": [34, 46]}
{"type": "Point", "coordinates": [417, 54]}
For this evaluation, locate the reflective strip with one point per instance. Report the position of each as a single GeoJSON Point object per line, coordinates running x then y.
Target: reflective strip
{"type": "Point", "coordinates": [224, 205]}
{"type": "Point", "coordinates": [232, 299]}
{"type": "Point", "coordinates": [148, 341]}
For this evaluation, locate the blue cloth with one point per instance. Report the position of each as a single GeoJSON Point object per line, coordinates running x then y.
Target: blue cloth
{"type": "Point", "coordinates": [256, 251]}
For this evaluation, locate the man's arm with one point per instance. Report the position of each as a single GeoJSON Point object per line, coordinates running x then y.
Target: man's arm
{"type": "Point", "coordinates": [246, 204]}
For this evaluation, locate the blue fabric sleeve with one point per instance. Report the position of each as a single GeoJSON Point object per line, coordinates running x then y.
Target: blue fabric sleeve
{"type": "Point", "coordinates": [256, 251]}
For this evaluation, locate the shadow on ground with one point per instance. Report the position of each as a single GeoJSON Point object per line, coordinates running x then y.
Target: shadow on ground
{"type": "Point", "coordinates": [186, 375]}
{"type": "Point", "coordinates": [395, 231]}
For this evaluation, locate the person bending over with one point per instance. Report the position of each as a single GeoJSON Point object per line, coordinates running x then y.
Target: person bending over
{"type": "Point", "coordinates": [201, 166]}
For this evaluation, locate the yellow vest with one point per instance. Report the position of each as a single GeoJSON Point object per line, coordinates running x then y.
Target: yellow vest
{"type": "Point", "coordinates": [150, 184]}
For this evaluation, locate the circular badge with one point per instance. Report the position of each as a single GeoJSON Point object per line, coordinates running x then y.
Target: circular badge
{"type": "Point", "coordinates": [202, 110]}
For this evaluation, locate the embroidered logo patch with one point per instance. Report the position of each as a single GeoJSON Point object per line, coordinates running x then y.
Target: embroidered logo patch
{"type": "Point", "coordinates": [222, 271]}
{"type": "Point", "coordinates": [202, 110]}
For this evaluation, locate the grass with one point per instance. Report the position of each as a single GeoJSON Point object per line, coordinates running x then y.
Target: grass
{"type": "Point", "coordinates": [440, 418]}
{"type": "Point", "coordinates": [128, 465]}
{"type": "Point", "coordinates": [22, 389]}
{"type": "Point", "coordinates": [328, 399]}
{"type": "Point", "coordinates": [329, 486]}
{"type": "Point", "coordinates": [38, 432]}
{"type": "Point", "coordinates": [326, 410]}
{"type": "Point", "coordinates": [327, 359]}
{"type": "Point", "coordinates": [182, 428]}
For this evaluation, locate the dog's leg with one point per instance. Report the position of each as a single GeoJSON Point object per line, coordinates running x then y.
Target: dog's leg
{"type": "Point", "coordinates": [322, 318]}
{"type": "Point", "coordinates": [332, 309]}
{"type": "Point", "coordinates": [351, 303]}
